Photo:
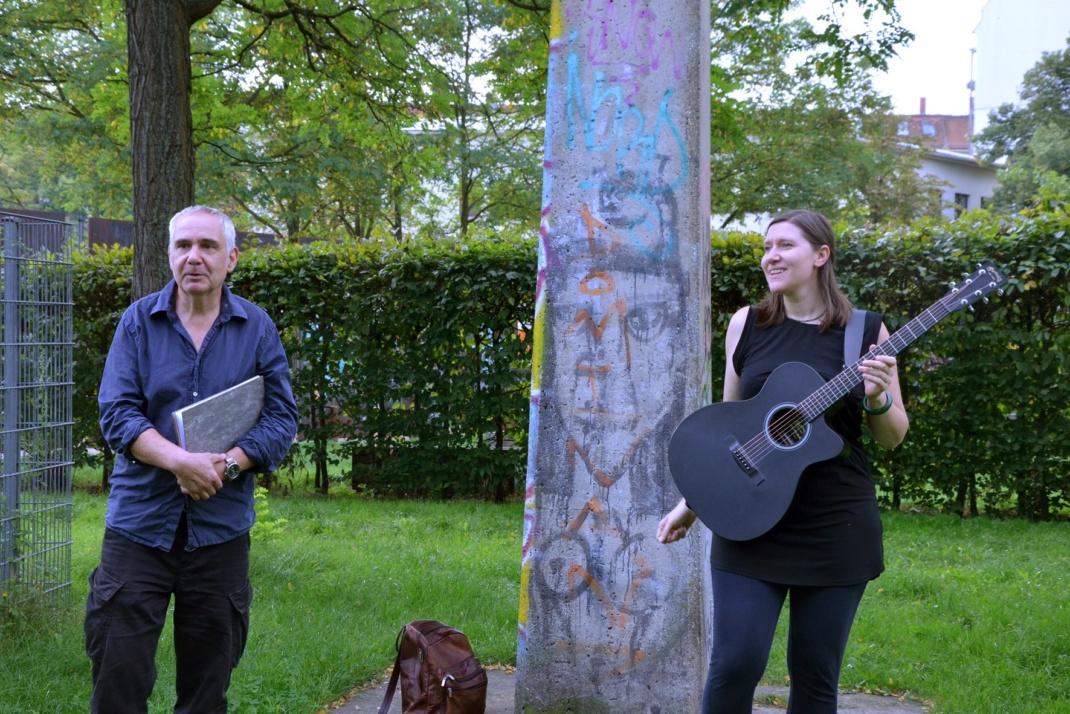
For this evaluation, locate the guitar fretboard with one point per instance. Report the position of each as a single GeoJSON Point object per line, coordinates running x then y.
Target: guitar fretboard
{"type": "Point", "coordinates": [817, 403]}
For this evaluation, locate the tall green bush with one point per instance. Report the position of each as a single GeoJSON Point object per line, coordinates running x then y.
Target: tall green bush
{"type": "Point", "coordinates": [102, 289]}
{"type": "Point", "coordinates": [421, 350]}
{"type": "Point", "coordinates": [412, 364]}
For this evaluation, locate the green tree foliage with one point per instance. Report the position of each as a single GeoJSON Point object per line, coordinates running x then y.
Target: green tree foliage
{"type": "Point", "coordinates": [299, 110]}
{"type": "Point", "coordinates": [279, 90]}
{"type": "Point", "coordinates": [314, 146]}
{"type": "Point", "coordinates": [489, 141]}
{"type": "Point", "coordinates": [796, 126]}
{"type": "Point", "coordinates": [267, 136]}
{"type": "Point", "coordinates": [63, 107]}
{"type": "Point", "coordinates": [1034, 135]}
{"type": "Point", "coordinates": [102, 288]}
{"type": "Point", "coordinates": [307, 119]}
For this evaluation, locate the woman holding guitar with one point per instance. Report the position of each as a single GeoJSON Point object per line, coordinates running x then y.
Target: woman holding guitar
{"type": "Point", "coordinates": [828, 545]}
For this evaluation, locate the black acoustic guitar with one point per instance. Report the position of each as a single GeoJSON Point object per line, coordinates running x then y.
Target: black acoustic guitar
{"type": "Point", "coordinates": [738, 463]}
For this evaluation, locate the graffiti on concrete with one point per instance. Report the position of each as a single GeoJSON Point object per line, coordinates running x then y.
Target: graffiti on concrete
{"type": "Point", "coordinates": [608, 375]}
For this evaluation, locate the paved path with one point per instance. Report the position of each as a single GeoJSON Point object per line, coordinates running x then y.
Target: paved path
{"type": "Point", "coordinates": [502, 684]}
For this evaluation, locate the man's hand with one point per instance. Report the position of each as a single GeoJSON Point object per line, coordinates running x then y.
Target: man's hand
{"type": "Point", "coordinates": [200, 476]}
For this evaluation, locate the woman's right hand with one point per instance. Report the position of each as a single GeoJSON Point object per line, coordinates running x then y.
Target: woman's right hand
{"type": "Point", "coordinates": [674, 525]}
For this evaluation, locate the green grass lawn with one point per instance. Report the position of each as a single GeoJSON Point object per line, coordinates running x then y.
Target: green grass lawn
{"type": "Point", "coordinates": [970, 615]}
{"type": "Point", "coordinates": [333, 584]}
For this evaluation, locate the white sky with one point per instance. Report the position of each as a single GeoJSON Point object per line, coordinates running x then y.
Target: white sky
{"type": "Point", "coordinates": [936, 65]}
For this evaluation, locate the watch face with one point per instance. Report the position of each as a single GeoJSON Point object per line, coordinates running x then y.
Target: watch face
{"type": "Point", "coordinates": [232, 469]}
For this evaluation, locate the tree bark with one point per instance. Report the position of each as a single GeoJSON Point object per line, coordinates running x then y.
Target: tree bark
{"type": "Point", "coordinates": [161, 126]}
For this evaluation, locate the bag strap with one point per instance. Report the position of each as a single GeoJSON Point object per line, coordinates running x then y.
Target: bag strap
{"type": "Point", "coordinates": [852, 336]}
{"type": "Point", "coordinates": [388, 697]}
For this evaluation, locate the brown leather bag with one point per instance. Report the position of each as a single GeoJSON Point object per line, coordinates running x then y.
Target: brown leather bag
{"type": "Point", "coordinates": [439, 673]}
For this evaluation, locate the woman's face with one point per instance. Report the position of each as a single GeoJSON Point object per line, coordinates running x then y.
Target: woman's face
{"type": "Point", "coordinates": [790, 261]}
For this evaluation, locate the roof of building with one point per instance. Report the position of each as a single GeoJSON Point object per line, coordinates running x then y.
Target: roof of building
{"type": "Point", "coordinates": [938, 131]}
{"type": "Point", "coordinates": [962, 158]}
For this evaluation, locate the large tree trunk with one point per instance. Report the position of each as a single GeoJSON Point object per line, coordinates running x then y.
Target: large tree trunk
{"type": "Point", "coordinates": [161, 126]}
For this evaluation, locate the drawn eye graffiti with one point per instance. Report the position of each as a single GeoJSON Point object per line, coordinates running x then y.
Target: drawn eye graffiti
{"type": "Point", "coordinates": [648, 321]}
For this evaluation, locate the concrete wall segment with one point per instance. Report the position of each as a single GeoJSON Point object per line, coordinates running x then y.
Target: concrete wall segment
{"type": "Point", "coordinates": [610, 620]}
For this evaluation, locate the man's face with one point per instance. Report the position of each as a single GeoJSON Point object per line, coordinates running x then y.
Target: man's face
{"type": "Point", "coordinates": [198, 254]}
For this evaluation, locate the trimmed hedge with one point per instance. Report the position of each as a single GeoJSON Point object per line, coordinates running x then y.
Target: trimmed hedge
{"type": "Point", "coordinates": [420, 348]}
{"type": "Point", "coordinates": [412, 365]}
{"type": "Point", "coordinates": [987, 391]}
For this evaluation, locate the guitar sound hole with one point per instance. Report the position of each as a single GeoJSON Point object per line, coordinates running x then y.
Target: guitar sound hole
{"type": "Point", "coordinates": [787, 427]}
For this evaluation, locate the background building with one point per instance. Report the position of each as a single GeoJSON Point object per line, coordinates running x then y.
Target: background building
{"type": "Point", "coordinates": [949, 157]}
{"type": "Point", "coordinates": [1011, 37]}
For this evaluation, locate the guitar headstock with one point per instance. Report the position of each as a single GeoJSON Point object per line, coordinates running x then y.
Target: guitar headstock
{"type": "Point", "coordinates": [975, 286]}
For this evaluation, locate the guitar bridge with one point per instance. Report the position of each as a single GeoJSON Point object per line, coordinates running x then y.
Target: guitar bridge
{"type": "Point", "coordinates": [742, 461]}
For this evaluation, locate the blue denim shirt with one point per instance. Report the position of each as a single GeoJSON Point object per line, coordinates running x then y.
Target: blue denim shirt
{"type": "Point", "coordinates": [153, 369]}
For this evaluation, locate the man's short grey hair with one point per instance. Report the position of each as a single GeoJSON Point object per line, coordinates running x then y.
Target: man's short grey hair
{"type": "Point", "coordinates": [229, 234]}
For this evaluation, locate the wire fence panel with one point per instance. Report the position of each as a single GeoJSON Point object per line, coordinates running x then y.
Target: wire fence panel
{"type": "Point", "coordinates": [36, 360]}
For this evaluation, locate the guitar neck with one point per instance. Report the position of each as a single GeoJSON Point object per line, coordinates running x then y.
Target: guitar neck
{"type": "Point", "coordinates": [986, 279]}
{"type": "Point", "coordinates": [817, 403]}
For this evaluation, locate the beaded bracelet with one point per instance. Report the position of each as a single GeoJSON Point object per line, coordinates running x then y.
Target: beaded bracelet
{"type": "Point", "coordinates": [877, 412]}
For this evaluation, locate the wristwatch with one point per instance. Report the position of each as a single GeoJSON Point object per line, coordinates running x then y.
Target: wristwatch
{"type": "Point", "coordinates": [232, 469]}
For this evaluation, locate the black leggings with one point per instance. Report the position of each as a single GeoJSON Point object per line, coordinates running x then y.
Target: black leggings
{"type": "Point", "coordinates": [745, 614]}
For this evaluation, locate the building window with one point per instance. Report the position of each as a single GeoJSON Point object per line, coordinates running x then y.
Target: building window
{"type": "Point", "coordinates": [928, 128]}
{"type": "Point", "coordinates": [962, 202]}
{"type": "Point", "coordinates": [904, 129]}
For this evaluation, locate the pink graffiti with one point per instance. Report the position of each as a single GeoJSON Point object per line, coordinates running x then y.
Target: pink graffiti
{"type": "Point", "coordinates": [628, 42]}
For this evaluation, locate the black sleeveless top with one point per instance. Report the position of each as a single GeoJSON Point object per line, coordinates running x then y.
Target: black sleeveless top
{"type": "Point", "coordinates": [831, 533]}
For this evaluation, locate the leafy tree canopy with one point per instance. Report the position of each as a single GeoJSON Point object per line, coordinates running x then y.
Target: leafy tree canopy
{"type": "Point", "coordinates": [63, 107]}
{"type": "Point", "coordinates": [1033, 135]}
{"type": "Point", "coordinates": [798, 128]}
{"type": "Point", "coordinates": [328, 119]}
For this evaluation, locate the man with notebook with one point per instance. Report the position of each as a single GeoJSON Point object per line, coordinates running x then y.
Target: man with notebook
{"type": "Point", "coordinates": [178, 521]}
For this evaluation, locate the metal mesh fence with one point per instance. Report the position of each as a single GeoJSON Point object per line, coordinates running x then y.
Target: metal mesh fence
{"type": "Point", "coordinates": [36, 360]}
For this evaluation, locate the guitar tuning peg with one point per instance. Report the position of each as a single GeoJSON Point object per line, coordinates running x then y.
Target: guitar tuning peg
{"type": "Point", "coordinates": [984, 300]}
{"type": "Point", "coordinates": [953, 285]}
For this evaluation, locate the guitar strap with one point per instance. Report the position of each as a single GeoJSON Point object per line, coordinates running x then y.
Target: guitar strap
{"type": "Point", "coordinates": [852, 337]}
{"type": "Point", "coordinates": [852, 350]}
